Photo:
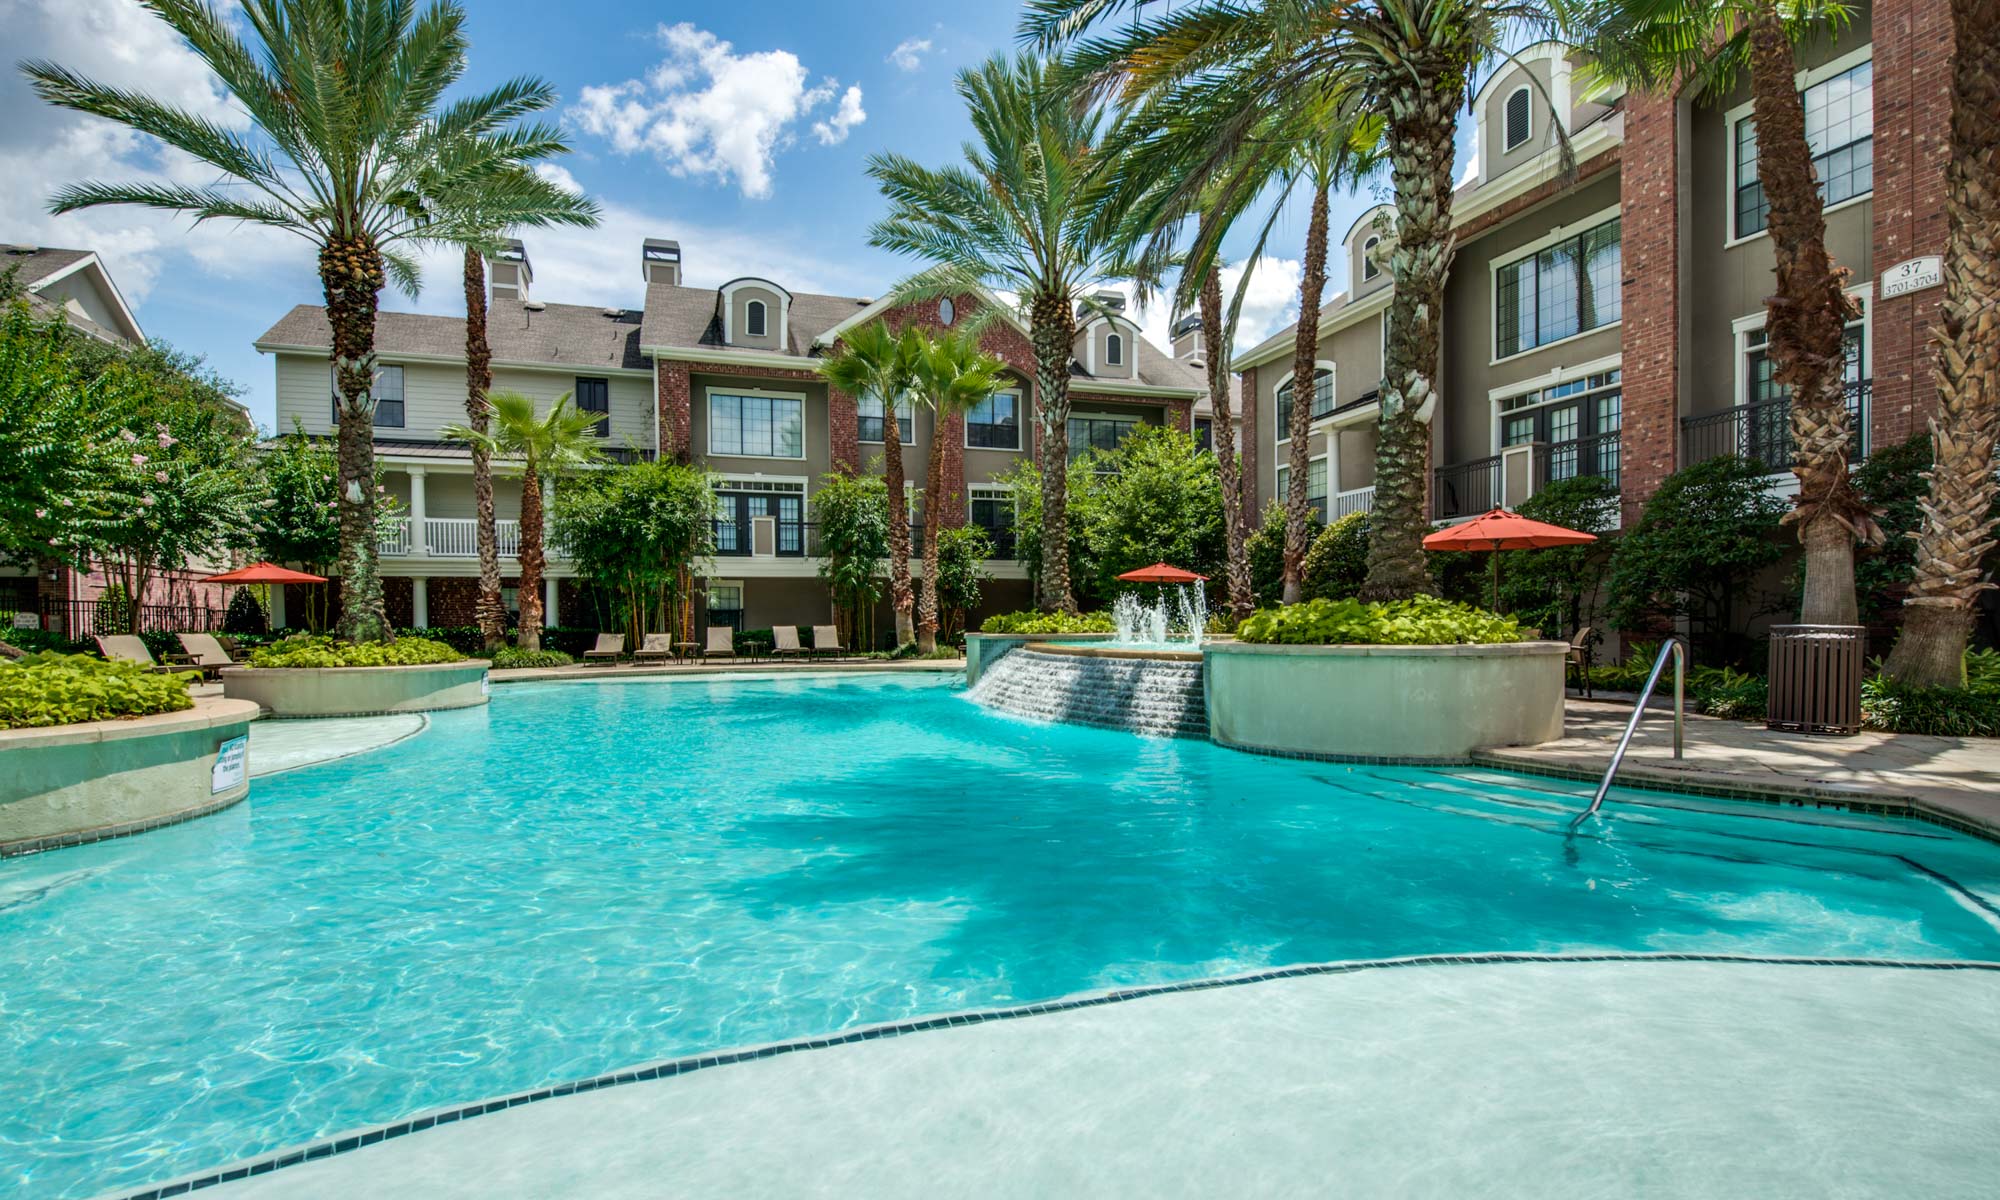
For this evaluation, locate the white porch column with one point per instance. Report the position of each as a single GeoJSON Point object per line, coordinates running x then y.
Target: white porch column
{"type": "Point", "coordinates": [418, 543]}
{"type": "Point", "coordinates": [548, 602]}
{"type": "Point", "coordinates": [276, 613]}
{"type": "Point", "coordinates": [420, 602]}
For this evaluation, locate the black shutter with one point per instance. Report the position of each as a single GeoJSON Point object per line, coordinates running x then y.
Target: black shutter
{"type": "Point", "coordinates": [594, 395]}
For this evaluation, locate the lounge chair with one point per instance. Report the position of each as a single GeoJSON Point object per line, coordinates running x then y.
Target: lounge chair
{"type": "Point", "coordinates": [785, 642]}
{"type": "Point", "coordinates": [826, 640]}
{"type": "Point", "coordinates": [721, 642]}
{"type": "Point", "coordinates": [654, 647]}
{"type": "Point", "coordinates": [608, 649]}
{"type": "Point", "coordinates": [125, 647]}
{"type": "Point", "coordinates": [205, 652]}
{"type": "Point", "coordinates": [1578, 659]}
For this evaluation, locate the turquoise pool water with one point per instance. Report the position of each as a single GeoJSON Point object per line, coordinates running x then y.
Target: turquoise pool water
{"type": "Point", "coordinates": [580, 877]}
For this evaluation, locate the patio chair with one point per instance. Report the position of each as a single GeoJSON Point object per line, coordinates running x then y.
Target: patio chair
{"type": "Point", "coordinates": [1578, 659]}
{"type": "Point", "coordinates": [654, 647]}
{"type": "Point", "coordinates": [721, 642]}
{"type": "Point", "coordinates": [608, 649]}
{"type": "Point", "coordinates": [785, 642]}
{"type": "Point", "coordinates": [826, 640]}
{"type": "Point", "coordinates": [205, 652]}
{"type": "Point", "coordinates": [125, 647]}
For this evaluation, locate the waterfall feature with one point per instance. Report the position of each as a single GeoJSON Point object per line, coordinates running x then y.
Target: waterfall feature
{"type": "Point", "coordinates": [1174, 618]}
{"type": "Point", "coordinates": [1156, 697]}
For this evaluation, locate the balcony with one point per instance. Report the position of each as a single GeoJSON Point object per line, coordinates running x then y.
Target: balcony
{"type": "Point", "coordinates": [1762, 432]}
{"type": "Point", "coordinates": [451, 537]}
{"type": "Point", "coordinates": [800, 539]}
{"type": "Point", "coordinates": [1354, 500]}
{"type": "Point", "coordinates": [1465, 489]}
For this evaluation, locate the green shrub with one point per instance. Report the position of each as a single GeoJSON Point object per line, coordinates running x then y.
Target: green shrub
{"type": "Point", "coordinates": [513, 658]}
{"type": "Point", "coordinates": [64, 689]}
{"type": "Point", "coordinates": [1944, 712]}
{"type": "Point", "coordinates": [1420, 621]}
{"type": "Point", "coordinates": [1265, 548]}
{"type": "Point", "coordinates": [1982, 671]}
{"type": "Point", "coordinates": [1627, 676]}
{"type": "Point", "coordinates": [1337, 564]}
{"type": "Point", "coordinates": [1030, 621]}
{"type": "Point", "coordinates": [34, 640]}
{"type": "Point", "coordinates": [321, 651]}
{"type": "Point", "coordinates": [1729, 694]}
{"type": "Point", "coordinates": [245, 615]}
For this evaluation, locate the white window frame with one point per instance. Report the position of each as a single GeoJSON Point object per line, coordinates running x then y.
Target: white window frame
{"type": "Point", "coordinates": [911, 440]}
{"type": "Point", "coordinates": [756, 313]}
{"type": "Point", "coordinates": [1333, 382]}
{"type": "Point", "coordinates": [1370, 269]}
{"type": "Point", "coordinates": [1742, 327]}
{"type": "Point", "coordinates": [709, 393]}
{"type": "Point", "coordinates": [1509, 144]}
{"type": "Point", "coordinates": [728, 293]}
{"type": "Point", "coordinates": [709, 586]}
{"type": "Point", "coordinates": [1090, 360]}
{"type": "Point", "coordinates": [1020, 425]}
{"type": "Point", "coordinates": [1742, 112]}
{"type": "Point", "coordinates": [1560, 233]}
{"type": "Point", "coordinates": [1546, 380]}
{"type": "Point", "coordinates": [1114, 348]}
{"type": "Point", "coordinates": [375, 402]}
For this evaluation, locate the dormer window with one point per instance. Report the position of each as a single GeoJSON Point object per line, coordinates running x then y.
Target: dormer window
{"type": "Point", "coordinates": [1519, 119]}
{"type": "Point", "coordinates": [754, 323]}
{"type": "Point", "coordinates": [1369, 269]}
{"type": "Point", "coordinates": [1114, 351]}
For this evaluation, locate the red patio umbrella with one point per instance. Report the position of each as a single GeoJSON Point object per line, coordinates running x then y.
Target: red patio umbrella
{"type": "Point", "coordinates": [1160, 572]}
{"type": "Point", "coordinates": [263, 572]}
{"type": "Point", "coordinates": [1501, 530]}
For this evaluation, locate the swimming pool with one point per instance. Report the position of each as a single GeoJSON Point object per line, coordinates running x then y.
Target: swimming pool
{"type": "Point", "coordinates": [579, 877]}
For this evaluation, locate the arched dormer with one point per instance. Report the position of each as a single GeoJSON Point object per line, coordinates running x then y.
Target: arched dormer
{"type": "Point", "coordinates": [1520, 102]}
{"type": "Point", "coordinates": [1110, 347]}
{"type": "Point", "coordinates": [755, 313]}
{"type": "Point", "coordinates": [1368, 243]}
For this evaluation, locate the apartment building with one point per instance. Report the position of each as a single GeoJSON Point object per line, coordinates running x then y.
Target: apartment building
{"type": "Point", "coordinates": [722, 376]}
{"type": "Point", "coordinates": [1609, 321]}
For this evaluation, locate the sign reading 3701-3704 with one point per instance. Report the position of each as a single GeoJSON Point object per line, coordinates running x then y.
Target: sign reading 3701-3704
{"type": "Point", "coordinates": [1912, 276]}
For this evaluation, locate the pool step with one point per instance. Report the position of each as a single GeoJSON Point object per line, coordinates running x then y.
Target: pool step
{"type": "Point", "coordinates": [1146, 696]}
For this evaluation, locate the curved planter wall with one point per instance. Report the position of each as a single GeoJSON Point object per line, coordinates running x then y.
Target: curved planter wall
{"type": "Point", "coordinates": [1384, 702]}
{"type": "Point", "coordinates": [80, 783]}
{"type": "Point", "coordinates": [358, 691]}
{"type": "Point", "coordinates": [982, 649]}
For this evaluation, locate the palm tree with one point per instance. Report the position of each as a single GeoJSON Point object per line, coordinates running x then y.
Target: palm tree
{"type": "Point", "coordinates": [1707, 44]}
{"type": "Point", "coordinates": [1017, 216]}
{"type": "Point", "coordinates": [547, 445]}
{"type": "Point", "coordinates": [874, 361]}
{"type": "Point", "coordinates": [344, 149]}
{"type": "Point", "coordinates": [1958, 526]}
{"type": "Point", "coordinates": [953, 376]}
{"type": "Point", "coordinates": [1410, 61]}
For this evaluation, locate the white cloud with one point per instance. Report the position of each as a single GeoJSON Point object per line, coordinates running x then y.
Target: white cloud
{"type": "Point", "coordinates": [705, 110]}
{"type": "Point", "coordinates": [909, 54]}
{"type": "Point", "coordinates": [1271, 303]}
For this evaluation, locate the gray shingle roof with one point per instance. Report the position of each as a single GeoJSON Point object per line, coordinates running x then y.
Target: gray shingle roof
{"type": "Point", "coordinates": [560, 334]}
{"type": "Point", "coordinates": [687, 316]}
{"type": "Point", "coordinates": [40, 262]}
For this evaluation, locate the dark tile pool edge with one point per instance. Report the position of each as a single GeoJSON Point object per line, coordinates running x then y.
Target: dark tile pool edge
{"type": "Point", "coordinates": [105, 833]}
{"type": "Point", "coordinates": [668, 1068]}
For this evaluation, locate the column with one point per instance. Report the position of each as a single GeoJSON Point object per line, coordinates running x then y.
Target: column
{"type": "Point", "coordinates": [420, 602]}
{"type": "Point", "coordinates": [1651, 185]}
{"type": "Point", "coordinates": [418, 541]}
{"type": "Point", "coordinates": [548, 602]}
{"type": "Point", "coordinates": [275, 610]}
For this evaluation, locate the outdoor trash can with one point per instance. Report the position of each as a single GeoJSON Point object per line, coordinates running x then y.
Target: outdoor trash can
{"type": "Point", "coordinates": [1815, 684]}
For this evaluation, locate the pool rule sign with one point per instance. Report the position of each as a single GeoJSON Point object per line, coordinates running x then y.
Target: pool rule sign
{"type": "Point", "coordinates": [232, 764]}
{"type": "Point", "coordinates": [1916, 275]}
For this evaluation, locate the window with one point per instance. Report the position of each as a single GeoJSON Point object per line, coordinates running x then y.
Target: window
{"type": "Point", "coordinates": [1114, 350]}
{"type": "Point", "coordinates": [756, 426]}
{"type": "Point", "coordinates": [1098, 433]}
{"type": "Point", "coordinates": [993, 510]}
{"type": "Point", "coordinates": [739, 502]}
{"type": "Point", "coordinates": [1767, 420]}
{"type": "Point", "coordinates": [871, 425]}
{"type": "Point", "coordinates": [1558, 291]}
{"type": "Point", "coordinates": [1370, 269]}
{"type": "Point", "coordinates": [946, 313]}
{"type": "Point", "coordinates": [594, 395]}
{"type": "Point", "coordinates": [1204, 433]}
{"type": "Point", "coordinates": [1576, 421]}
{"type": "Point", "coordinates": [754, 319]}
{"type": "Point", "coordinates": [725, 604]}
{"type": "Point", "coordinates": [995, 424]}
{"type": "Point", "coordinates": [388, 393]}
{"type": "Point", "coordinates": [1322, 401]}
{"type": "Point", "coordinates": [1519, 118]}
{"type": "Point", "coordinates": [1840, 128]}
{"type": "Point", "coordinates": [1315, 483]}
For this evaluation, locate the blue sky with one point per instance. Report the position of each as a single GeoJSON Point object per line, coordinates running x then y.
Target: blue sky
{"type": "Point", "coordinates": [740, 130]}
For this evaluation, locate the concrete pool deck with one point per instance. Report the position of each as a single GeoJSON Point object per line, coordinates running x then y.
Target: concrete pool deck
{"type": "Point", "coordinates": [1953, 780]}
{"type": "Point", "coordinates": [785, 666]}
{"type": "Point", "coordinates": [1654, 1078]}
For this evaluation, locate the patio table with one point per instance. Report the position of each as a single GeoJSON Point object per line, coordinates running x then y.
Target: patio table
{"type": "Point", "coordinates": [687, 651]}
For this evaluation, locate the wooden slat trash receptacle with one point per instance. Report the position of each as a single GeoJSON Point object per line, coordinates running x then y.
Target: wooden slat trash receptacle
{"type": "Point", "coordinates": [1815, 684]}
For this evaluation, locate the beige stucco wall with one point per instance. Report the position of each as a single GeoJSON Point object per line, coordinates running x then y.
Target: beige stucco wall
{"type": "Point", "coordinates": [817, 461]}
{"type": "Point", "coordinates": [1092, 342]}
{"type": "Point", "coordinates": [1497, 159]}
{"type": "Point", "coordinates": [358, 691]}
{"type": "Point", "coordinates": [434, 397]}
{"type": "Point", "coordinates": [774, 317]}
{"type": "Point", "coordinates": [81, 287]}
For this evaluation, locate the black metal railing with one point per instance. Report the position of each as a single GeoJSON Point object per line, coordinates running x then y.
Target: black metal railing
{"type": "Point", "coordinates": [1762, 432]}
{"type": "Point", "coordinates": [1578, 458]}
{"type": "Point", "coordinates": [79, 619]}
{"type": "Point", "coordinates": [1465, 489]}
{"type": "Point", "coordinates": [736, 538]}
{"type": "Point", "coordinates": [1004, 542]}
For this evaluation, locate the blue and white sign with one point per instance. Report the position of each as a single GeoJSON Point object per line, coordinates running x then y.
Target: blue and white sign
{"type": "Point", "coordinates": [485, 683]}
{"type": "Point", "coordinates": [232, 765]}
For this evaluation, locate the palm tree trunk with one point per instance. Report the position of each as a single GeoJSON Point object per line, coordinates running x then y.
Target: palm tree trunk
{"type": "Point", "coordinates": [1421, 129]}
{"type": "Point", "coordinates": [1052, 329]}
{"type": "Point", "coordinates": [1958, 526]}
{"type": "Point", "coordinates": [350, 273]}
{"type": "Point", "coordinates": [901, 599]}
{"type": "Point", "coordinates": [1305, 360]}
{"type": "Point", "coordinates": [1229, 468]}
{"type": "Point", "coordinates": [529, 635]}
{"type": "Point", "coordinates": [487, 610]}
{"type": "Point", "coordinates": [1806, 316]}
{"type": "Point", "coordinates": [927, 604]}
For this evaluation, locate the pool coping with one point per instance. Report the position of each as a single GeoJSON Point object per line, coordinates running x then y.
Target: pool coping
{"type": "Point", "coordinates": [358, 1138]}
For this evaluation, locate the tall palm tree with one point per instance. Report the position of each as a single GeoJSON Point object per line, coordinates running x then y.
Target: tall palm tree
{"type": "Point", "coordinates": [953, 376]}
{"type": "Point", "coordinates": [348, 127]}
{"type": "Point", "coordinates": [1958, 526]}
{"type": "Point", "coordinates": [1016, 216]}
{"type": "Point", "coordinates": [548, 445]}
{"type": "Point", "coordinates": [1707, 45]}
{"type": "Point", "coordinates": [1409, 60]}
{"type": "Point", "coordinates": [875, 361]}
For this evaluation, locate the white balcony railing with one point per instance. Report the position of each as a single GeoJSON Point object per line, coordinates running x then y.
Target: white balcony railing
{"type": "Point", "coordinates": [453, 537]}
{"type": "Point", "coordinates": [1356, 501]}
{"type": "Point", "coordinates": [396, 543]}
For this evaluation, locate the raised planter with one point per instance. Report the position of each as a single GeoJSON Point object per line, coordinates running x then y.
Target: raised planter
{"type": "Point", "coordinates": [358, 691]}
{"type": "Point", "coordinates": [78, 783]}
{"type": "Point", "coordinates": [983, 649]}
{"type": "Point", "coordinates": [1412, 703]}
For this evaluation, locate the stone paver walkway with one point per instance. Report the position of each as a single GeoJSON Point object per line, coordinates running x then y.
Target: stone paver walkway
{"type": "Point", "coordinates": [1955, 779]}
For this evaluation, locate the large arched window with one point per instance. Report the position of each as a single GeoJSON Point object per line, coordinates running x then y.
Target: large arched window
{"type": "Point", "coordinates": [754, 323]}
{"type": "Point", "coordinates": [1519, 118]}
{"type": "Point", "coordinates": [1369, 268]}
{"type": "Point", "coordinates": [1114, 350]}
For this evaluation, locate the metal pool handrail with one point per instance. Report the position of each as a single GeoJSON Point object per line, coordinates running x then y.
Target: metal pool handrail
{"type": "Point", "coordinates": [1676, 651]}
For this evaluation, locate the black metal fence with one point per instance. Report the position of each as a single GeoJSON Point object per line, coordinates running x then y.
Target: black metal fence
{"type": "Point", "coordinates": [1465, 489]}
{"type": "Point", "coordinates": [80, 619]}
{"type": "Point", "coordinates": [1762, 432]}
{"type": "Point", "coordinates": [1579, 457]}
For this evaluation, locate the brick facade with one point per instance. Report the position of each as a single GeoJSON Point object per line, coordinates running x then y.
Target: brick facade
{"type": "Point", "coordinates": [1247, 448]}
{"type": "Point", "coordinates": [1650, 202]}
{"type": "Point", "coordinates": [676, 409]}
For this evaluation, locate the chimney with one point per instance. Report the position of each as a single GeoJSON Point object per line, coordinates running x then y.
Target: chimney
{"type": "Point", "coordinates": [1187, 338]}
{"type": "Point", "coordinates": [509, 273]}
{"type": "Point", "coordinates": [1112, 301]}
{"type": "Point", "coordinates": [660, 261]}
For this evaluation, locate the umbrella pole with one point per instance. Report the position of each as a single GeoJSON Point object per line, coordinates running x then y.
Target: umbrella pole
{"type": "Point", "coordinates": [1496, 577]}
